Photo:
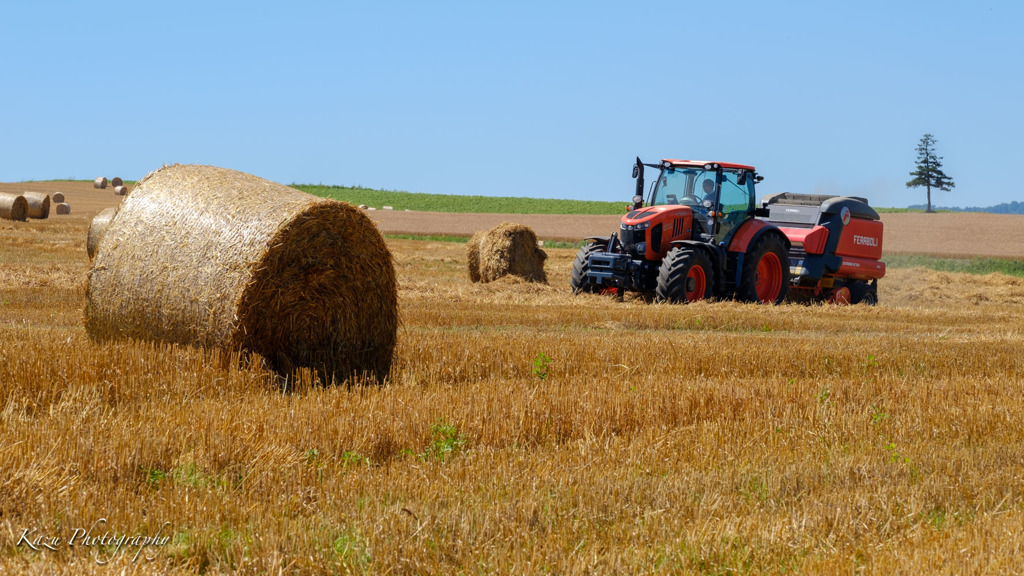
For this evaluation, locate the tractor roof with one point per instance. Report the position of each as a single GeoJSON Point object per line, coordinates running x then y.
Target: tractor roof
{"type": "Point", "coordinates": [701, 163]}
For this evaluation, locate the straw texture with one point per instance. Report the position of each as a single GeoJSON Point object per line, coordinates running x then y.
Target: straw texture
{"type": "Point", "coordinates": [62, 208]}
{"type": "Point", "coordinates": [38, 205]}
{"type": "Point", "coordinates": [99, 182]}
{"type": "Point", "coordinates": [57, 197]}
{"type": "Point", "coordinates": [223, 259]}
{"type": "Point", "coordinates": [511, 250]}
{"type": "Point", "coordinates": [97, 229]}
{"type": "Point", "coordinates": [473, 255]}
{"type": "Point", "coordinates": [13, 207]}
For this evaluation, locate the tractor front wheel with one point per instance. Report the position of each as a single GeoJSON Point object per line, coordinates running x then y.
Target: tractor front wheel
{"type": "Point", "coordinates": [685, 275]}
{"type": "Point", "coordinates": [765, 275]}
{"type": "Point", "coordinates": [579, 277]}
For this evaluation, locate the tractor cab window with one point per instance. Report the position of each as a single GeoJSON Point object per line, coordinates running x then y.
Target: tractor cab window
{"type": "Point", "coordinates": [736, 198]}
{"type": "Point", "coordinates": [683, 186]}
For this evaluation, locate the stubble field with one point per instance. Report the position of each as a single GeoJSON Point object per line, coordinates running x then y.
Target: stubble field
{"type": "Point", "coordinates": [523, 431]}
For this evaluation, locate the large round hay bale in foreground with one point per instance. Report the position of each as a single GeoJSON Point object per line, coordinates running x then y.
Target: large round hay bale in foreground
{"type": "Point", "coordinates": [97, 228]}
{"type": "Point", "coordinates": [222, 259]}
{"type": "Point", "coordinates": [38, 205]}
{"type": "Point", "coordinates": [99, 182]}
{"type": "Point", "coordinates": [13, 207]}
{"type": "Point", "coordinates": [473, 255]}
{"type": "Point", "coordinates": [511, 250]}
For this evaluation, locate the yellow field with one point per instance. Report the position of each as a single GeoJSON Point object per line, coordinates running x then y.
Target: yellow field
{"type": "Point", "coordinates": [717, 438]}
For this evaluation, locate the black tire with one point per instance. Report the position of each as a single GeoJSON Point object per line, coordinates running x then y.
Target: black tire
{"type": "Point", "coordinates": [768, 258]}
{"type": "Point", "coordinates": [681, 274]}
{"type": "Point", "coordinates": [581, 265]}
{"type": "Point", "coordinates": [863, 293]}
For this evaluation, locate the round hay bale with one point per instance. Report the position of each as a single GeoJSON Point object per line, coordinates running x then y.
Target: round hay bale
{"type": "Point", "coordinates": [115, 182]}
{"type": "Point", "coordinates": [38, 205]}
{"type": "Point", "coordinates": [57, 197]}
{"type": "Point", "coordinates": [13, 207]}
{"type": "Point", "coordinates": [121, 190]}
{"type": "Point", "coordinates": [63, 208]}
{"type": "Point", "coordinates": [99, 182]}
{"type": "Point", "coordinates": [511, 249]}
{"type": "Point", "coordinates": [223, 259]}
{"type": "Point", "coordinates": [96, 230]}
{"type": "Point", "coordinates": [473, 255]}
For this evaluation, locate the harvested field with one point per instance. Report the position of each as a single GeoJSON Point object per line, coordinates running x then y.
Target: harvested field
{"type": "Point", "coordinates": [525, 430]}
{"type": "Point", "coordinates": [86, 199]}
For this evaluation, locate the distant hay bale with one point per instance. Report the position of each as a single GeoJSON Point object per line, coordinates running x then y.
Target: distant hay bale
{"type": "Point", "coordinates": [511, 250]}
{"type": "Point", "coordinates": [473, 255]}
{"type": "Point", "coordinates": [63, 208]}
{"type": "Point", "coordinates": [57, 197]}
{"type": "Point", "coordinates": [13, 207]}
{"type": "Point", "coordinates": [223, 259]}
{"type": "Point", "coordinates": [115, 182]}
{"type": "Point", "coordinates": [38, 205]}
{"type": "Point", "coordinates": [99, 182]}
{"type": "Point", "coordinates": [362, 206]}
{"type": "Point", "coordinates": [121, 190]}
{"type": "Point", "coordinates": [97, 228]}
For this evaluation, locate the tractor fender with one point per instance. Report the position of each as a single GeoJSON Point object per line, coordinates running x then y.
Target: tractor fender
{"type": "Point", "coordinates": [749, 233]}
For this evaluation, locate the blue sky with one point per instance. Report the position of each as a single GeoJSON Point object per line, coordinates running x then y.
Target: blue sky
{"type": "Point", "coordinates": [545, 99]}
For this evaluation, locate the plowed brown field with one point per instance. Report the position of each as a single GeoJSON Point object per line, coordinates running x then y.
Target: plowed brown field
{"type": "Point", "coordinates": [958, 235]}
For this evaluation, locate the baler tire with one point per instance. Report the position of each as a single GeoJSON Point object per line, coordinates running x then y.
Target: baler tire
{"type": "Point", "coordinates": [685, 275]}
{"type": "Point", "coordinates": [581, 265]}
{"type": "Point", "coordinates": [863, 293]}
{"type": "Point", "coordinates": [765, 266]}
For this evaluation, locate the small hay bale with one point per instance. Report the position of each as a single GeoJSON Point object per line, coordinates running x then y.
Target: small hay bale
{"type": "Point", "coordinates": [57, 197]}
{"type": "Point", "coordinates": [511, 250]}
{"type": "Point", "coordinates": [473, 255]}
{"type": "Point", "coordinates": [99, 182]}
{"type": "Point", "coordinates": [121, 190]}
{"type": "Point", "coordinates": [38, 205]}
{"type": "Point", "coordinates": [222, 259]}
{"type": "Point", "coordinates": [115, 182]}
{"type": "Point", "coordinates": [96, 230]}
{"type": "Point", "coordinates": [362, 206]}
{"type": "Point", "coordinates": [63, 208]}
{"type": "Point", "coordinates": [13, 207]}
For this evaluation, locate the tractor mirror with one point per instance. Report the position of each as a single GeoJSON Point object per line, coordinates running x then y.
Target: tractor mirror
{"type": "Point", "coordinates": [741, 179]}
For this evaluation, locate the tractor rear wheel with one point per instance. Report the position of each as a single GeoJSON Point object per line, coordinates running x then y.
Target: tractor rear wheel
{"type": "Point", "coordinates": [765, 275]}
{"type": "Point", "coordinates": [863, 293]}
{"type": "Point", "coordinates": [581, 266]}
{"type": "Point", "coordinates": [685, 275]}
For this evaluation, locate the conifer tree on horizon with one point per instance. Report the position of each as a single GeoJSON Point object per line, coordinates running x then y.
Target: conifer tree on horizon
{"type": "Point", "coordinates": [928, 171]}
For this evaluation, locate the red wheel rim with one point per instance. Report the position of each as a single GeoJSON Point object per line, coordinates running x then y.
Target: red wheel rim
{"type": "Point", "coordinates": [769, 278]}
{"type": "Point", "coordinates": [696, 284]}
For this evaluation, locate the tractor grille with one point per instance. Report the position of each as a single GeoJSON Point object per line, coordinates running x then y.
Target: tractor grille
{"type": "Point", "coordinates": [630, 238]}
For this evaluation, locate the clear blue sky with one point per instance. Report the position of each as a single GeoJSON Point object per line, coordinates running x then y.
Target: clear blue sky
{"type": "Point", "coordinates": [546, 99]}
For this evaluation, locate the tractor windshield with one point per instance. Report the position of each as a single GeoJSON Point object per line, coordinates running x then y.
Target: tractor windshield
{"type": "Point", "coordinates": [686, 186]}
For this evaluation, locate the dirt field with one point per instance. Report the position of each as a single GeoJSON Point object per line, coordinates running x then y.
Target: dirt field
{"type": "Point", "coordinates": [523, 430]}
{"type": "Point", "coordinates": [958, 235]}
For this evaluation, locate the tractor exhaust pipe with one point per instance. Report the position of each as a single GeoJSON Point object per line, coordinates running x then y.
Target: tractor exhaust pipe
{"type": "Point", "coordinates": [638, 173]}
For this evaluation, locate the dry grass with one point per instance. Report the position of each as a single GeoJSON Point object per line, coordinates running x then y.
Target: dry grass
{"type": "Point", "coordinates": [716, 438]}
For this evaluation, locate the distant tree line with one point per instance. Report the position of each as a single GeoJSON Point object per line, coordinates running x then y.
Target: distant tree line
{"type": "Point", "coordinates": [1004, 208]}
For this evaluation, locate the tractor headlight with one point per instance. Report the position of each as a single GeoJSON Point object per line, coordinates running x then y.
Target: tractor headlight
{"type": "Point", "coordinates": [642, 226]}
{"type": "Point", "coordinates": [641, 248]}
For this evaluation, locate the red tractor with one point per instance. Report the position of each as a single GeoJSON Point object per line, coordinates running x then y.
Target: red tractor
{"type": "Point", "coordinates": [702, 236]}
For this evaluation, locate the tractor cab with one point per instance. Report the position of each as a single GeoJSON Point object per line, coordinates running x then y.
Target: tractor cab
{"type": "Point", "coordinates": [721, 195]}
